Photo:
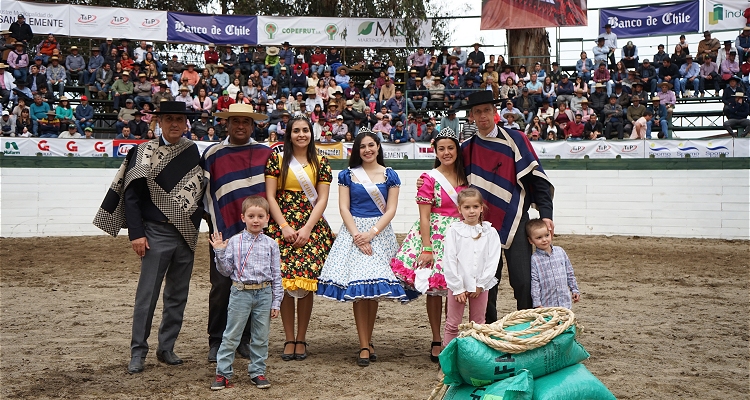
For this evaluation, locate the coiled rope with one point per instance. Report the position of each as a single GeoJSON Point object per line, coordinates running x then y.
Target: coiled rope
{"type": "Point", "coordinates": [497, 337]}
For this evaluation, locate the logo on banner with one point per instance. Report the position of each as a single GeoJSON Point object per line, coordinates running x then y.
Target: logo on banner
{"type": "Point", "coordinates": [42, 145]}
{"type": "Point", "coordinates": [119, 20]}
{"type": "Point", "coordinates": [121, 148]}
{"type": "Point", "coordinates": [720, 14]}
{"type": "Point", "coordinates": [716, 151]}
{"type": "Point", "coordinates": [11, 148]}
{"type": "Point", "coordinates": [72, 146]}
{"type": "Point", "coordinates": [87, 19]}
{"type": "Point", "coordinates": [271, 29]}
{"type": "Point", "coordinates": [150, 22]}
{"type": "Point", "coordinates": [577, 149]}
{"type": "Point", "coordinates": [629, 148]}
{"type": "Point", "coordinates": [278, 147]}
{"type": "Point", "coordinates": [331, 31]}
{"type": "Point", "coordinates": [603, 148]}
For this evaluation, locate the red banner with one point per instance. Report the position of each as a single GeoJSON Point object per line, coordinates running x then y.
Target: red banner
{"type": "Point", "coordinates": [521, 14]}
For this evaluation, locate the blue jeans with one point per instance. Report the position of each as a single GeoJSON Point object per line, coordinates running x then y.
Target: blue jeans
{"type": "Point", "coordinates": [396, 117]}
{"type": "Point", "coordinates": [20, 74]}
{"type": "Point", "coordinates": [422, 104]}
{"type": "Point", "coordinates": [101, 88]}
{"type": "Point", "coordinates": [317, 68]}
{"type": "Point", "coordinates": [60, 87]}
{"type": "Point", "coordinates": [684, 83]}
{"type": "Point", "coordinates": [83, 125]}
{"type": "Point", "coordinates": [88, 78]}
{"type": "Point", "coordinates": [662, 125]}
{"type": "Point", "coordinates": [255, 304]}
{"type": "Point", "coordinates": [138, 100]}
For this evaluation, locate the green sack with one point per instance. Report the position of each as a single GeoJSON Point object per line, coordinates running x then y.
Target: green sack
{"type": "Point", "coordinates": [571, 383]}
{"type": "Point", "coordinates": [469, 361]}
{"type": "Point", "coordinates": [519, 387]}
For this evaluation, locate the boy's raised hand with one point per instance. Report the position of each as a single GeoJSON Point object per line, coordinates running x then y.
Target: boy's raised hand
{"type": "Point", "coordinates": [217, 241]}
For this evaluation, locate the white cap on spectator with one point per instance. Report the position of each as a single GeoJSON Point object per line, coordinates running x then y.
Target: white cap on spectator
{"type": "Point", "coordinates": [5, 112]}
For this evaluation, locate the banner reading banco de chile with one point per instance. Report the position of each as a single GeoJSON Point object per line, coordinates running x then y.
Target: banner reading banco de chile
{"type": "Point", "coordinates": [218, 29]}
{"type": "Point", "coordinates": [648, 20]}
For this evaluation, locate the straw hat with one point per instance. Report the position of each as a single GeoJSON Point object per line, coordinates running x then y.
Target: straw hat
{"type": "Point", "coordinates": [273, 51]}
{"type": "Point", "coordinates": [241, 110]}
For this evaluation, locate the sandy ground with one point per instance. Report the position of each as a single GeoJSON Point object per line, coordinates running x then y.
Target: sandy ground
{"type": "Point", "coordinates": [664, 319]}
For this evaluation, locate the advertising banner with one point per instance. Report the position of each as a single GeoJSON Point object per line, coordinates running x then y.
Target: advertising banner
{"type": "Point", "coordinates": [423, 151]}
{"type": "Point", "coordinates": [652, 20]}
{"type": "Point", "coordinates": [30, 147]}
{"type": "Point", "coordinates": [742, 147]}
{"type": "Point", "coordinates": [368, 32]}
{"type": "Point", "coordinates": [612, 149]}
{"type": "Point", "coordinates": [522, 14]}
{"type": "Point", "coordinates": [118, 22]}
{"type": "Point", "coordinates": [398, 151]}
{"type": "Point", "coordinates": [609, 149]}
{"type": "Point", "coordinates": [42, 17]}
{"type": "Point", "coordinates": [723, 15]}
{"type": "Point", "coordinates": [301, 31]}
{"type": "Point", "coordinates": [546, 149]}
{"type": "Point", "coordinates": [690, 148]}
{"type": "Point", "coordinates": [334, 151]}
{"type": "Point", "coordinates": [218, 29]}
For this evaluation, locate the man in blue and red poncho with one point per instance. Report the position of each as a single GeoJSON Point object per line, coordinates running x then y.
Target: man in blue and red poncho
{"type": "Point", "coordinates": [502, 164]}
{"type": "Point", "coordinates": [234, 170]}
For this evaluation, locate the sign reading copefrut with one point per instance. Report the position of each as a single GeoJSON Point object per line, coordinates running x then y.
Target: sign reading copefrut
{"type": "Point", "coordinates": [302, 31]}
{"type": "Point", "coordinates": [218, 29]}
{"type": "Point", "coordinates": [652, 20]}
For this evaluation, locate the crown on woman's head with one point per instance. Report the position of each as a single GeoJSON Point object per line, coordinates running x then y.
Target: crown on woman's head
{"type": "Point", "coordinates": [446, 133]}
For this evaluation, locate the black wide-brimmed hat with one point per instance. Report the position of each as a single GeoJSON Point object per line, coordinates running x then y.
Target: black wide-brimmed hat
{"type": "Point", "coordinates": [173, 107]}
{"type": "Point", "coordinates": [478, 98]}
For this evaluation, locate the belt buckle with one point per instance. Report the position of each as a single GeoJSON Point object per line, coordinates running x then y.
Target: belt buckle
{"type": "Point", "coordinates": [238, 285]}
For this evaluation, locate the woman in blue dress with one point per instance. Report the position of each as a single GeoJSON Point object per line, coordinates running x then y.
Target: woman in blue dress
{"type": "Point", "coordinates": [358, 267]}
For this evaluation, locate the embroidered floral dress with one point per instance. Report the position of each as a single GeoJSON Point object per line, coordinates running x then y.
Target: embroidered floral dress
{"type": "Point", "coordinates": [300, 267]}
{"type": "Point", "coordinates": [443, 213]}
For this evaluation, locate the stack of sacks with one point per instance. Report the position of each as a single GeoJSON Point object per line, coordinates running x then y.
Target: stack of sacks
{"type": "Point", "coordinates": [475, 371]}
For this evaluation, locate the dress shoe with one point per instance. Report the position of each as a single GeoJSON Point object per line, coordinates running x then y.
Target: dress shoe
{"type": "Point", "coordinates": [244, 350]}
{"type": "Point", "coordinates": [212, 352]}
{"type": "Point", "coordinates": [168, 357]}
{"type": "Point", "coordinates": [136, 365]}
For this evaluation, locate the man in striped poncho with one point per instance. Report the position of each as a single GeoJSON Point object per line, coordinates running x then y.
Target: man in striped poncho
{"type": "Point", "coordinates": [234, 170]}
{"type": "Point", "coordinates": [502, 164]}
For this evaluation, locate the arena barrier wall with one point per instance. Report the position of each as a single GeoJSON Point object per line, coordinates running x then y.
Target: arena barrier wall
{"type": "Point", "coordinates": [691, 198]}
{"type": "Point", "coordinates": [592, 149]}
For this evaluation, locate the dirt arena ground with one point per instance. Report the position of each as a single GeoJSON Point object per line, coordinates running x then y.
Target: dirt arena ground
{"type": "Point", "coordinates": [664, 319]}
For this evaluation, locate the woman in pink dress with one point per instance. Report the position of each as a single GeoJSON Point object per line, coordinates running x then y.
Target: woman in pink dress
{"type": "Point", "coordinates": [418, 263]}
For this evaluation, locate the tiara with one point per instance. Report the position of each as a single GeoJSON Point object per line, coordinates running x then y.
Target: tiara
{"type": "Point", "coordinates": [446, 133]}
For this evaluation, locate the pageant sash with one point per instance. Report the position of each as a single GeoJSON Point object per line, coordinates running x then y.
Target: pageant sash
{"type": "Point", "coordinates": [371, 188]}
{"type": "Point", "coordinates": [304, 181]}
{"type": "Point", "coordinates": [445, 184]}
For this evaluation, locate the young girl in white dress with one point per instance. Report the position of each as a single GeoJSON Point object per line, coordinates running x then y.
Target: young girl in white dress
{"type": "Point", "coordinates": [358, 267]}
{"type": "Point", "coordinates": [470, 259]}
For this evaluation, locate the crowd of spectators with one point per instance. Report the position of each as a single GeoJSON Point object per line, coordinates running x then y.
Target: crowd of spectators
{"type": "Point", "coordinates": [598, 101]}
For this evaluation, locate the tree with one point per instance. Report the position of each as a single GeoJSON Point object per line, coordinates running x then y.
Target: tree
{"type": "Point", "coordinates": [527, 46]}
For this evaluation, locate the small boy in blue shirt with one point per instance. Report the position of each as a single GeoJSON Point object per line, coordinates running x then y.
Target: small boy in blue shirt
{"type": "Point", "coordinates": [553, 283]}
{"type": "Point", "coordinates": [253, 261]}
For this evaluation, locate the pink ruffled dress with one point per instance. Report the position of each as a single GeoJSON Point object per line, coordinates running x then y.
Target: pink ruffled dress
{"type": "Point", "coordinates": [442, 214]}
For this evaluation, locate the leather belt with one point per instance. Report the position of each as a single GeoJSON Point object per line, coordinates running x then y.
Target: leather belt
{"type": "Point", "coordinates": [250, 286]}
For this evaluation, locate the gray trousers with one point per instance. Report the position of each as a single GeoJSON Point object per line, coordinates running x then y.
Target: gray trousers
{"type": "Point", "coordinates": [169, 256]}
{"type": "Point", "coordinates": [743, 124]}
{"type": "Point", "coordinates": [518, 257]}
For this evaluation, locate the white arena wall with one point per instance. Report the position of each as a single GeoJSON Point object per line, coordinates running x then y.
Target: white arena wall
{"type": "Point", "coordinates": [672, 203]}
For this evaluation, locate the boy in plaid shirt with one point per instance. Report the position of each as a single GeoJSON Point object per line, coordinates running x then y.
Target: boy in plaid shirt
{"type": "Point", "coordinates": [552, 278]}
{"type": "Point", "coordinates": [252, 260]}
